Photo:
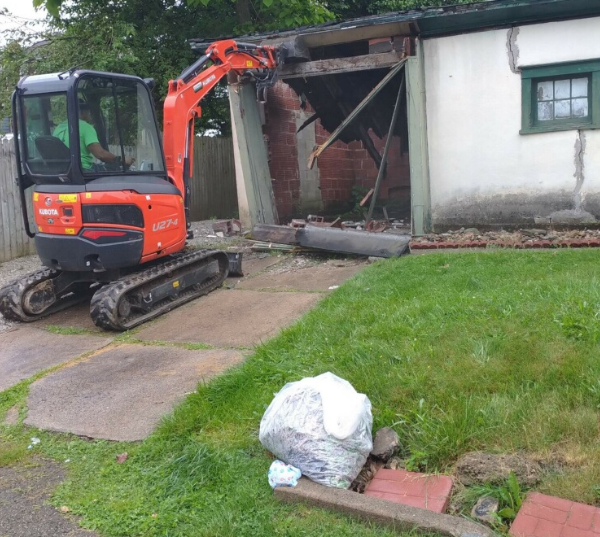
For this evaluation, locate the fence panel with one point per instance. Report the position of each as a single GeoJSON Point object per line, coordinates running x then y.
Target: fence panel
{"type": "Point", "coordinates": [14, 242]}
{"type": "Point", "coordinates": [213, 190]}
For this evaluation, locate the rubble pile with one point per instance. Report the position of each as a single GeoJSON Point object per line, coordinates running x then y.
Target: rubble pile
{"type": "Point", "coordinates": [524, 238]}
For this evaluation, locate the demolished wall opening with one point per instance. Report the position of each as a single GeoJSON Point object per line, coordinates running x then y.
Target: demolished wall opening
{"type": "Point", "coordinates": [302, 112]}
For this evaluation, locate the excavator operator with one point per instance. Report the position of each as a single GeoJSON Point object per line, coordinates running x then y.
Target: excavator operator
{"type": "Point", "coordinates": [88, 141]}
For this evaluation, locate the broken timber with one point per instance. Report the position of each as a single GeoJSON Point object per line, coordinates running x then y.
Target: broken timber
{"type": "Point", "coordinates": [329, 239]}
{"type": "Point", "coordinates": [340, 65]}
{"type": "Point", "coordinates": [336, 134]}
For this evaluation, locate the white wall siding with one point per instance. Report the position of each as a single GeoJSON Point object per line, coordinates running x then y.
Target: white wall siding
{"type": "Point", "coordinates": [482, 171]}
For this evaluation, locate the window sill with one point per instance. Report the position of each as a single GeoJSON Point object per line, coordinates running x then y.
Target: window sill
{"type": "Point", "coordinates": [558, 128]}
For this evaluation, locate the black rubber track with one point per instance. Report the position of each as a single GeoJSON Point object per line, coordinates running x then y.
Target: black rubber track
{"type": "Point", "coordinates": [104, 307]}
{"type": "Point", "coordinates": [11, 297]}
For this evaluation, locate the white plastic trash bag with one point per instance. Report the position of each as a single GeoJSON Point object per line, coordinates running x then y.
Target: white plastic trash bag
{"type": "Point", "coordinates": [322, 426]}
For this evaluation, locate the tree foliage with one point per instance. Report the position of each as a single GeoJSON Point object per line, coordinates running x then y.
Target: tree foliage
{"type": "Point", "coordinates": [149, 38]}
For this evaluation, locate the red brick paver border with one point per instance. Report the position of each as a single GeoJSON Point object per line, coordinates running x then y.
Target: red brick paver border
{"type": "Point", "coordinates": [547, 516]}
{"type": "Point", "coordinates": [425, 491]}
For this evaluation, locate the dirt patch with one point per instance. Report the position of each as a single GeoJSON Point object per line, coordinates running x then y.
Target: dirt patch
{"type": "Point", "coordinates": [479, 468]}
{"type": "Point", "coordinates": [24, 507]}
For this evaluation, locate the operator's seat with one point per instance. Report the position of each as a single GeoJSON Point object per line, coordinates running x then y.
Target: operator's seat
{"type": "Point", "coordinates": [54, 152]}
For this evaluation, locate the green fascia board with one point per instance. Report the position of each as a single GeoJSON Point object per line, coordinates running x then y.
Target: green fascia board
{"type": "Point", "coordinates": [560, 69]}
{"type": "Point", "coordinates": [473, 17]}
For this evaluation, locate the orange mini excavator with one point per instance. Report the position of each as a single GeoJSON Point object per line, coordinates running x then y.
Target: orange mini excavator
{"type": "Point", "coordinates": [105, 229]}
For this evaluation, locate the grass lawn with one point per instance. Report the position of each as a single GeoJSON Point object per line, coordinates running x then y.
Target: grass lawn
{"type": "Point", "coordinates": [495, 351]}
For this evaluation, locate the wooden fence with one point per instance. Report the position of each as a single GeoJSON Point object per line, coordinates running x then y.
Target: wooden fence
{"type": "Point", "coordinates": [14, 242]}
{"type": "Point", "coordinates": [213, 187]}
{"type": "Point", "coordinates": [213, 192]}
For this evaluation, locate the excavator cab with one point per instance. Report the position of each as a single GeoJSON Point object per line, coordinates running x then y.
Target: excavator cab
{"type": "Point", "coordinates": [89, 145]}
{"type": "Point", "coordinates": [58, 114]}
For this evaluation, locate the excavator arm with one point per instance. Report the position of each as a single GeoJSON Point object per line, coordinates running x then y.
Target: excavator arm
{"type": "Point", "coordinates": [182, 105]}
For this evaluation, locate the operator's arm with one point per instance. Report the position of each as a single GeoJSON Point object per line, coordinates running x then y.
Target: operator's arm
{"type": "Point", "coordinates": [89, 137]}
{"type": "Point", "coordinates": [106, 156]}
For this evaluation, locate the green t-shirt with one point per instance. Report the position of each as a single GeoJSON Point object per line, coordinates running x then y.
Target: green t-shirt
{"type": "Point", "coordinates": [87, 136]}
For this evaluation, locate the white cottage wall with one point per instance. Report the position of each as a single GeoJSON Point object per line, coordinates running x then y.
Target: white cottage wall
{"type": "Point", "coordinates": [482, 171]}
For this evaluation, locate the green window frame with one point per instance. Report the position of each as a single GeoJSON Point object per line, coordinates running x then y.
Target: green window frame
{"type": "Point", "coordinates": [553, 97]}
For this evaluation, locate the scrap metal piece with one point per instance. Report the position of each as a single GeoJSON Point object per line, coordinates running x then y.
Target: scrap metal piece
{"type": "Point", "coordinates": [347, 241]}
{"type": "Point", "coordinates": [386, 150]}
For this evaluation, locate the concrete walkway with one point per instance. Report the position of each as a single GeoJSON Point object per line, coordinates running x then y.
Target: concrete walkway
{"type": "Point", "coordinates": [103, 388]}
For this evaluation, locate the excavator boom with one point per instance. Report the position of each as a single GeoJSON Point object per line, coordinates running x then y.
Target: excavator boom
{"type": "Point", "coordinates": [182, 105]}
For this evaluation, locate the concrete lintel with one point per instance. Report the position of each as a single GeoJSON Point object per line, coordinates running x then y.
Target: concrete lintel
{"type": "Point", "coordinates": [394, 515]}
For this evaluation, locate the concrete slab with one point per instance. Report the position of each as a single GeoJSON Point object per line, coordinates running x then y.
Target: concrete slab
{"type": "Point", "coordinates": [253, 265]}
{"type": "Point", "coordinates": [375, 510]}
{"type": "Point", "coordinates": [25, 351]}
{"type": "Point", "coordinates": [307, 279]}
{"type": "Point", "coordinates": [122, 393]}
{"type": "Point", "coordinates": [77, 317]}
{"type": "Point", "coordinates": [230, 318]}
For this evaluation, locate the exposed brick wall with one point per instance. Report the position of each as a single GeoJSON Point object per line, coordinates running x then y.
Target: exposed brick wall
{"type": "Point", "coordinates": [341, 166]}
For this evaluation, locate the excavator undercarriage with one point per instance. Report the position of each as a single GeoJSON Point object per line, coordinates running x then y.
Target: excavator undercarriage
{"type": "Point", "coordinates": [123, 303]}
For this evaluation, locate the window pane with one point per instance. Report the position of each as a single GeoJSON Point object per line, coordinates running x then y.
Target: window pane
{"type": "Point", "coordinates": [580, 107]}
{"type": "Point", "coordinates": [545, 91]}
{"type": "Point", "coordinates": [47, 134]}
{"type": "Point", "coordinates": [545, 111]}
{"type": "Point", "coordinates": [562, 89]}
{"type": "Point", "coordinates": [580, 87]}
{"type": "Point", "coordinates": [562, 109]}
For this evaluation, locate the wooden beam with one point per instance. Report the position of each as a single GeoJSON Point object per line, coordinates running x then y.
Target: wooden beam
{"type": "Point", "coordinates": [340, 65]}
{"type": "Point", "coordinates": [336, 134]}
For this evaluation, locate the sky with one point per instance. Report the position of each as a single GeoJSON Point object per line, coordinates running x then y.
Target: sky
{"type": "Point", "coordinates": [21, 10]}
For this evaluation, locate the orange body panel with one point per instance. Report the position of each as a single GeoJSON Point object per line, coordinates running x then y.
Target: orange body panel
{"type": "Point", "coordinates": [59, 214]}
{"type": "Point", "coordinates": [164, 217]}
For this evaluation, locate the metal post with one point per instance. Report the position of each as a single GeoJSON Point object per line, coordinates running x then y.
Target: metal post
{"type": "Point", "coordinates": [388, 143]}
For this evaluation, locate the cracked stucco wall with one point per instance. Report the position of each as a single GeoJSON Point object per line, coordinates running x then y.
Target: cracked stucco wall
{"type": "Point", "coordinates": [482, 171]}
{"type": "Point", "coordinates": [512, 49]}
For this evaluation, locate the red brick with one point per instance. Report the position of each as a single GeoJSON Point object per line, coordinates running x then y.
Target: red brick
{"type": "Point", "coordinates": [569, 531]}
{"type": "Point", "coordinates": [545, 513]}
{"type": "Point", "coordinates": [544, 528]}
{"type": "Point", "coordinates": [549, 501]}
{"type": "Point", "coordinates": [523, 526]}
{"type": "Point", "coordinates": [409, 488]}
{"type": "Point", "coordinates": [581, 516]}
